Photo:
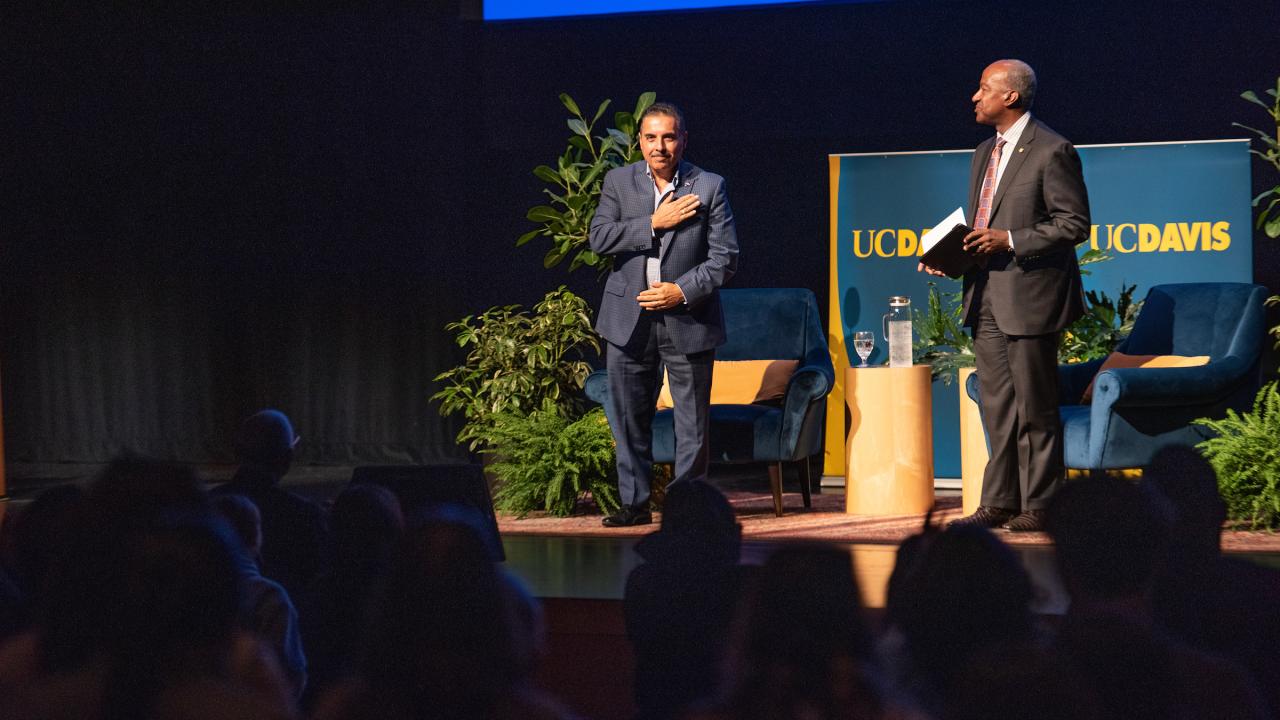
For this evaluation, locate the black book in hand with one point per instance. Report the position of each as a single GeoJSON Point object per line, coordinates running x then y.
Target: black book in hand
{"type": "Point", "coordinates": [949, 255]}
{"type": "Point", "coordinates": [944, 248]}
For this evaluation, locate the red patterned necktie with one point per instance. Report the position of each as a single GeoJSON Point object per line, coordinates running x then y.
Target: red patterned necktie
{"type": "Point", "coordinates": [988, 188]}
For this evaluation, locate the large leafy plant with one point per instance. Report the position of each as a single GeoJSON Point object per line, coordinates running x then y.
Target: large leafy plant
{"type": "Point", "coordinates": [1246, 456]}
{"type": "Point", "coordinates": [575, 181]}
{"type": "Point", "coordinates": [547, 461]}
{"type": "Point", "coordinates": [517, 362]}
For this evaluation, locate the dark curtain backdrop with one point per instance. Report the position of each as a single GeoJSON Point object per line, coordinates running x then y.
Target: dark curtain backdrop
{"type": "Point", "coordinates": [207, 212]}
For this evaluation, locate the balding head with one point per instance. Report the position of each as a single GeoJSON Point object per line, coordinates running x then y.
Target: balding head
{"type": "Point", "coordinates": [1020, 78]}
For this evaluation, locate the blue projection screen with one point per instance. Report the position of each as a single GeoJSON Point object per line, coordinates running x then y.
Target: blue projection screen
{"type": "Point", "coordinates": [523, 9]}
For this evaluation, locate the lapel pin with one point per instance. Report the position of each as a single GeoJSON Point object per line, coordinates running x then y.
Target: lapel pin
{"type": "Point", "coordinates": [1021, 149]}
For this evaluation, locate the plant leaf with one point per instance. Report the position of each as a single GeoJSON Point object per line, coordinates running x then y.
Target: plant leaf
{"type": "Point", "coordinates": [578, 127]}
{"type": "Point", "coordinates": [643, 102]}
{"type": "Point", "coordinates": [1252, 97]}
{"type": "Point", "coordinates": [603, 106]}
{"type": "Point", "coordinates": [542, 213]}
{"type": "Point", "coordinates": [570, 104]}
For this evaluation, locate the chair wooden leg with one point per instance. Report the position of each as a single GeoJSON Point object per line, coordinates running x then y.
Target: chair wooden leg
{"type": "Point", "coordinates": [775, 481]}
{"type": "Point", "coordinates": [806, 480]}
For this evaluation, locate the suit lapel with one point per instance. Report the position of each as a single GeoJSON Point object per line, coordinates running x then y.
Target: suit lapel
{"type": "Point", "coordinates": [688, 183]}
{"type": "Point", "coordinates": [980, 159]}
{"type": "Point", "coordinates": [644, 186]}
{"type": "Point", "coordinates": [1016, 162]}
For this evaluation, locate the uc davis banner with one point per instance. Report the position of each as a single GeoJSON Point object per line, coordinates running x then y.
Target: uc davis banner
{"type": "Point", "coordinates": [1166, 212]}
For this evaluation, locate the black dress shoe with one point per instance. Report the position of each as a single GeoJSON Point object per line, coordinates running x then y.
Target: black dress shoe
{"type": "Point", "coordinates": [1028, 521]}
{"type": "Point", "coordinates": [628, 516]}
{"type": "Point", "coordinates": [985, 516]}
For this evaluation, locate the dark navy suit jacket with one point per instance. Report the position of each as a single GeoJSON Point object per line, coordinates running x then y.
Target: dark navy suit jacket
{"type": "Point", "coordinates": [700, 255]}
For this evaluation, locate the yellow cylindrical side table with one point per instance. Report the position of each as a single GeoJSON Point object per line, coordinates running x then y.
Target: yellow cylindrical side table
{"type": "Point", "coordinates": [973, 448]}
{"type": "Point", "coordinates": [889, 468]}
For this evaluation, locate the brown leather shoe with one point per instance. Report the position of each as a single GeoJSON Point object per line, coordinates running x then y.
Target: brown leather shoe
{"type": "Point", "coordinates": [985, 516]}
{"type": "Point", "coordinates": [1028, 521]}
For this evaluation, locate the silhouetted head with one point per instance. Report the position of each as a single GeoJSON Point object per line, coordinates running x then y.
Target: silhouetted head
{"type": "Point", "coordinates": [442, 634]}
{"type": "Point", "coordinates": [958, 589]}
{"type": "Point", "coordinates": [135, 491]}
{"type": "Point", "coordinates": [800, 635]}
{"type": "Point", "coordinates": [364, 524]}
{"type": "Point", "coordinates": [1110, 536]}
{"type": "Point", "coordinates": [266, 440]}
{"type": "Point", "coordinates": [1187, 480]}
{"type": "Point", "coordinates": [697, 525]}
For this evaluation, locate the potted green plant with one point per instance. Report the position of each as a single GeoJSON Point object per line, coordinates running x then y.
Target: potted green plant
{"type": "Point", "coordinates": [549, 461]}
{"type": "Point", "coordinates": [517, 362]}
{"type": "Point", "coordinates": [575, 181]}
{"type": "Point", "coordinates": [1243, 449]}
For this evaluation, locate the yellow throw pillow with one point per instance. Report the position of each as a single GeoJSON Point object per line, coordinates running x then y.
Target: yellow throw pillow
{"type": "Point", "coordinates": [1120, 360]}
{"type": "Point", "coordinates": [742, 382]}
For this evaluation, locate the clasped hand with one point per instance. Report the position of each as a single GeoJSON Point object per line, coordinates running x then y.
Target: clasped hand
{"type": "Point", "coordinates": [661, 296]}
{"type": "Point", "coordinates": [674, 210]}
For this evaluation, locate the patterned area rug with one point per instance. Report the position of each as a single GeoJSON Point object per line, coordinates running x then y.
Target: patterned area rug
{"type": "Point", "coordinates": [825, 521]}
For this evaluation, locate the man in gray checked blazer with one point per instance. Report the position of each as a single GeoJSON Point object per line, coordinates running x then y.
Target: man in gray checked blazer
{"type": "Point", "coordinates": [668, 226]}
{"type": "Point", "coordinates": [1030, 210]}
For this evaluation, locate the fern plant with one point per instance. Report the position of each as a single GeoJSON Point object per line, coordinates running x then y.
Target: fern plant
{"type": "Point", "coordinates": [545, 461]}
{"type": "Point", "coordinates": [1246, 456]}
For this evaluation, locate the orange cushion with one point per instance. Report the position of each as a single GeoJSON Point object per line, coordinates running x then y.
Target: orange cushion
{"type": "Point", "coordinates": [742, 382]}
{"type": "Point", "coordinates": [1120, 360]}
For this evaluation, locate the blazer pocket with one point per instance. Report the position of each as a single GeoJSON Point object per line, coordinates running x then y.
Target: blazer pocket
{"type": "Point", "coordinates": [616, 285]}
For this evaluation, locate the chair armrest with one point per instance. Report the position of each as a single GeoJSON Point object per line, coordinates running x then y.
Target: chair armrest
{"type": "Point", "coordinates": [1157, 387]}
{"type": "Point", "coordinates": [808, 385]}
{"type": "Point", "coordinates": [1074, 378]}
{"type": "Point", "coordinates": [596, 387]}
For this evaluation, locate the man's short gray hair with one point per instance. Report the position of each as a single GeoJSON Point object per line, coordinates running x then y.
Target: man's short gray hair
{"type": "Point", "coordinates": [667, 109]}
{"type": "Point", "coordinates": [1022, 80]}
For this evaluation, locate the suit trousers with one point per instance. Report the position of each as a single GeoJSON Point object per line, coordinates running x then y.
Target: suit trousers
{"type": "Point", "coordinates": [1019, 380]}
{"type": "Point", "coordinates": [635, 376]}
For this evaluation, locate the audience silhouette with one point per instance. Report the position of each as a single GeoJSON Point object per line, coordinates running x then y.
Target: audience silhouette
{"type": "Point", "coordinates": [443, 642]}
{"type": "Point", "coordinates": [365, 526]}
{"type": "Point", "coordinates": [138, 618]}
{"type": "Point", "coordinates": [1216, 604]}
{"type": "Point", "coordinates": [680, 601]}
{"type": "Point", "coordinates": [139, 597]}
{"type": "Point", "coordinates": [266, 609]}
{"type": "Point", "coordinates": [1111, 538]}
{"type": "Point", "coordinates": [951, 593]}
{"type": "Point", "coordinates": [801, 647]}
{"type": "Point", "coordinates": [293, 527]}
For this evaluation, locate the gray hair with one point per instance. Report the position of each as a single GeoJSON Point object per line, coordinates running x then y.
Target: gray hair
{"type": "Point", "coordinates": [666, 109]}
{"type": "Point", "coordinates": [1022, 80]}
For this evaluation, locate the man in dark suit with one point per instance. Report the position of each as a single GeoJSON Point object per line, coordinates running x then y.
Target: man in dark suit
{"type": "Point", "coordinates": [668, 226]}
{"type": "Point", "coordinates": [1030, 209]}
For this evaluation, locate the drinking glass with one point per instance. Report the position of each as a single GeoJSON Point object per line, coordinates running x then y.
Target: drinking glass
{"type": "Point", "coordinates": [864, 341]}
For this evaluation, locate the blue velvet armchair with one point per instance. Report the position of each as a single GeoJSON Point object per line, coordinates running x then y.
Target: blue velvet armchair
{"type": "Point", "coordinates": [761, 324]}
{"type": "Point", "coordinates": [1136, 411]}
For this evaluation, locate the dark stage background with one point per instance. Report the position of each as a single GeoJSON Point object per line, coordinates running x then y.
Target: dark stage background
{"type": "Point", "coordinates": [206, 212]}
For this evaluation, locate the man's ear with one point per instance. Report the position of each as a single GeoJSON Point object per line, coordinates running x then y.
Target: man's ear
{"type": "Point", "coordinates": [1013, 99]}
